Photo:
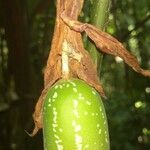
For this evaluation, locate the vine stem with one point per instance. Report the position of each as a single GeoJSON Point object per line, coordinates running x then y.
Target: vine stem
{"type": "Point", "coordinates": [98, 16]}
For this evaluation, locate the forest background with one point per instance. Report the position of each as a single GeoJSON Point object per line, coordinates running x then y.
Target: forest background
{"type": "Point", "coordinates": [26, 30]}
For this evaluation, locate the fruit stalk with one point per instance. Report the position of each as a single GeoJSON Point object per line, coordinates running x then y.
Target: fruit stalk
{"type": "Point", "coordinates": [65, 60]}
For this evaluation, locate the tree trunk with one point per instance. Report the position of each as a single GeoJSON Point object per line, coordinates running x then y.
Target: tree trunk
{"type": "Point", "coordinates": [21, 73]}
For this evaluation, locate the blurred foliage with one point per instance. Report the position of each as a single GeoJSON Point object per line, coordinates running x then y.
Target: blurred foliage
{"type": "Point", "coordinates": [23, 57]}
{"type": "Point", "coordinates": [128, 93]}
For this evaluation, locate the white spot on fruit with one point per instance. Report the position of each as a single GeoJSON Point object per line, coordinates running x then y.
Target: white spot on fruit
{"type": "Point", "coordinates": [73, 84]}
{"type": "Point", "coordinates": [78, 138]}
{"type": "Point", "coordinates": [55, 95]}
{"type": "Point", "coordinates": [55, 115]}
{"type": "Point", "coordinates": [49, 100]}
{"type": "Point", "coordinates": [78, 141]}
{"type": "Point", "coordinates": [86, 146]}
{"type": "Point", "coordinates": [100, 131]}
{"type": "Point", "coordinates": [76, 113]}
{"type": "Point", "coordinates": [56, 136]}
{"type": "Point", "coordinates": [73, 123]}
{"type": "Point", "coordinates": [98, 125]}
{"type": "Point", "coordinates": [53, 100]}
{"type": "Point", "coordinates": [85, 113]}
{"type": "Point", "coordinates": [88, 103]}
{"type": "Point", "coordinates": [75, 103]}
{"type": "Point", "coordinates": [67, 85]}
{"type": "Point", "coordinates": [54, 119]}
{"type": "Point", "coordinates": [77, 128]}
{"type": "Point", "coordinates": [75, 90]}
{"type": "Point", "coordinates": [56, 86]}
{"type": "Point", "coordinates": [100, 109]}
{"type": "Point", "coordinates": [106, 140]}
{"type": "Point", "coordinates": [59, 147]}
{"type": "Point", "coordinates": [54, 129]}
{"type": "Point", "coordinates": [60, 130]}
{"type": "Point", "coordinates": [93, 114]}
{"type": "Point", "coordinates": [103, 116]}
{"type": "Point", "coordinates": [58, 141]}
{"type": "Point", "coordinates": [49, 105]}
{"type": "Point", "coordinates": [80, 96]}
{"type": "Point", "coordinates": [60, 86]}
{"type": "Point", "coordinates": [94, 92]}
{"type": "Point", "coordinates": [54, 125]}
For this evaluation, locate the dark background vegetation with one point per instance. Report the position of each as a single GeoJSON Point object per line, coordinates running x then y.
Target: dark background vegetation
{"type": "Point", "coordinates": [26, 29]}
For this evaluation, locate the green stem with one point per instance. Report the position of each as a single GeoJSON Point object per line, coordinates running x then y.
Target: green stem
{"type": "Point", "coordinates": [98, 16]}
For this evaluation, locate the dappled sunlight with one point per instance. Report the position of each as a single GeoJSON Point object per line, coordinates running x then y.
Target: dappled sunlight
{"type": "Point", "coordinates": [118, 59]}
{"type": "Point", "coordinates": [147, 90]}
{"type": "Point", "coordinates": [139, 104]}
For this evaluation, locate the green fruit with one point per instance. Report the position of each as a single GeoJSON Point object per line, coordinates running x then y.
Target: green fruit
{"type": "Point", "coordinates": [74, 118]}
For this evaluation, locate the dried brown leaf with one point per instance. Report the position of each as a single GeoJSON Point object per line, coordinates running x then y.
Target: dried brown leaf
{"type": "Point", "coordinates": [86, 70]}
{"type": "Point", "coordinates": [37, 115]}
{"type": "Point", "coordinates": [106, 43]}
{"type": "Point", "coordinates": [80, 67]}
{"type": "Point", "coordinates": [80, 62]}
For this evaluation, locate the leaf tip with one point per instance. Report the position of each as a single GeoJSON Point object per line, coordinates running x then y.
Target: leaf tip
{"type": "Point", "coordinates": [34, 132]}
